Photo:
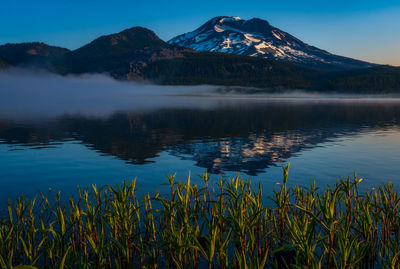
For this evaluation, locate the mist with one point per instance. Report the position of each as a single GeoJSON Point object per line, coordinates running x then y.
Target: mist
{"type": "Point", "coordinates": [27, 94]}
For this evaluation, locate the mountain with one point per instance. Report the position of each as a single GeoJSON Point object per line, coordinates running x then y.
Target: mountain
{"type": "Point", "coordinates": [138, 54]}
{"type": "Point", "coordinates": [256, 37]}
{"type": "Point", "coordinates": [33, 53]}
{"type": "Point", "coordinates": [123, 54]}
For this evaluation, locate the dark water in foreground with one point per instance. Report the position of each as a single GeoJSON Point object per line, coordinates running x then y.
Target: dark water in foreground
{"type": "Point", "coordinates": [321, 139]}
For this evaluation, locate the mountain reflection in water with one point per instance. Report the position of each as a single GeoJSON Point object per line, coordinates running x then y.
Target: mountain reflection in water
{"type": "Point", "coordinates": [247, 137]}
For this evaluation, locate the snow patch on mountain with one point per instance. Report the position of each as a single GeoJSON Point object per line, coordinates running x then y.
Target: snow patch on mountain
{"type": "Point", "coordinates": [229, 18]}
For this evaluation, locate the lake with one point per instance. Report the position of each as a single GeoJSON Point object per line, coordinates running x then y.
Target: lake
{"type": "Point", "coordinates": [322, 138]}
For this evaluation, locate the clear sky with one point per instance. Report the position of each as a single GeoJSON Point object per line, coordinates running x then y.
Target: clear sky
{"type": "Point", "coordinates": [362, 29]}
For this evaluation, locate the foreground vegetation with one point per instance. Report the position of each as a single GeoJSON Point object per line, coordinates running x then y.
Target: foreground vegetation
{"type": "Point", "coordinates": [221, 225]}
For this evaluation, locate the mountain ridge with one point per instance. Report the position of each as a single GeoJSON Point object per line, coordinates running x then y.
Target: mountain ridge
{"type": "Point", "coordinates": [138, 54]}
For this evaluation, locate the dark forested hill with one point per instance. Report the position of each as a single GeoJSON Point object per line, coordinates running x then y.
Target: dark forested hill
{"type": "Point", "coordinates": [123, 54]}
{"type": "Point", "coordinates": [227, 69]}
{"type": "Point", "coordinates": [380, 79]}
{"type": "Point", "coordinates": [34, 53]}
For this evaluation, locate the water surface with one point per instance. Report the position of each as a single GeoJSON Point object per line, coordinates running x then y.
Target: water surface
{"type": "Point", "coordinates": [323, 139]}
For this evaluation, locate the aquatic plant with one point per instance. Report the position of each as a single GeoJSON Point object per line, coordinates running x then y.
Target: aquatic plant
{"type": "Point", "coordinates": [228, 223]}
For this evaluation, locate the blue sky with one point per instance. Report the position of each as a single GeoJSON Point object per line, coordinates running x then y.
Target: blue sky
{"type": "Point", "coordinates": [367, 30]}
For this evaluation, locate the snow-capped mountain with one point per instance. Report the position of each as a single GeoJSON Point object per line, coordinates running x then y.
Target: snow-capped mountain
{"type": "Point", "coordinates": [256, 37]}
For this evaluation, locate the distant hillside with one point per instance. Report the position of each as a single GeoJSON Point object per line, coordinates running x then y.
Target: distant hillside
{"type": "Point", "coordinates": [29, 53]}
{"type": "Point", "coordinates": [227, 69]}
{"type": "Point", "coordinates": [380, 79]}
{"type": "Point", "coordinates": [234, 70]}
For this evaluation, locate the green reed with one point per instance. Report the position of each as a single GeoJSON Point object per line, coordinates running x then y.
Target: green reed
{"type": "Point", "coordinates": [227, 224]}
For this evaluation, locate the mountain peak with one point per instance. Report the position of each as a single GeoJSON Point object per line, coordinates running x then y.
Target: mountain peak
{"type": "Point", "coordinates": [139, 31]}
{"type": "Point", "coordinates": [256, 37]}
{"type": "Point", "coordinates": [223, 19]}
{"type": "Point", "coordinates": [126, 41]}
{"type": "Point", "coordinates": [129, 39]}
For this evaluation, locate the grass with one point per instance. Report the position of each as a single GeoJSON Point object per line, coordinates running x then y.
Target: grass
{"type": "Point", "coordinates": [220, 225]}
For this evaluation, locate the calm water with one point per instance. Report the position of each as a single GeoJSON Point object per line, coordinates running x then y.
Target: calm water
{"type": "Point", "coordinates": [322, 140]}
